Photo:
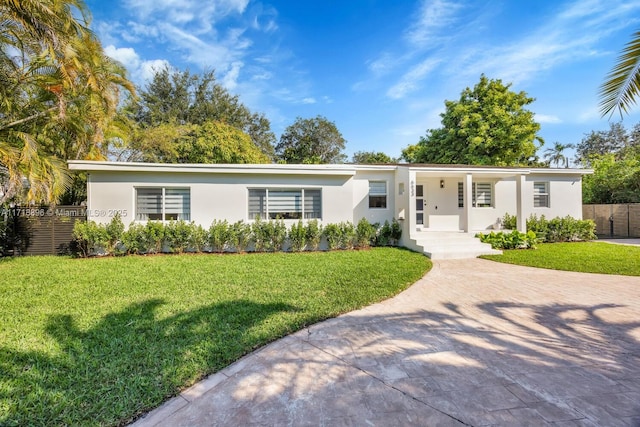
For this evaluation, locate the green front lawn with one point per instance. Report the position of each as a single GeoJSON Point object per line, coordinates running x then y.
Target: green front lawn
{"type": "Point", "coordinates": [585, 257]}
{"type": "Point", "coordinates": [99, 341]}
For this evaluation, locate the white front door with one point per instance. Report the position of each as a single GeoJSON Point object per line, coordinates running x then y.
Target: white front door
{"type": "Point", "coordinates": [419, 205]}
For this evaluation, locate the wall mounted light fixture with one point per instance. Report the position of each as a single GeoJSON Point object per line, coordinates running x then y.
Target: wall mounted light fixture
{"type": "Point", "coordinates": [442, 183]}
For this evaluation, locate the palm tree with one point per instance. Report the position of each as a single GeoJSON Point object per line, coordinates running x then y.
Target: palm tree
{"type": "Point", "coordinates": [622, 84]}
{"type": "Point", "coordinates": [58, 95]}
{"type": "Point", "coordinates": [556, 155]}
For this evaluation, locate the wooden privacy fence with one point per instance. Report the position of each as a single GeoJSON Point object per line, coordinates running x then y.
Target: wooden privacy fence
{"type": "Point", "coordinates": [614, 220]}
{"type": "Point", "coordinates": [39, 230]}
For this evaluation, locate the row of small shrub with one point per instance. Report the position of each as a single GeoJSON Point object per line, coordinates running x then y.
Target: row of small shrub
{"type": "Point", "coordinates": [565, 229]}
{"type": "Point", "coordinates": [259, 236]}
{"type": "Point", "coordinates": [512, 240]}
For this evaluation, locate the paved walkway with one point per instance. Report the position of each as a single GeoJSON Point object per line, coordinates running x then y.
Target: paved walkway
{"type": "Point", "coordinates": [472, 343]}
{"type": "Point", "coordinates": [626, 241]}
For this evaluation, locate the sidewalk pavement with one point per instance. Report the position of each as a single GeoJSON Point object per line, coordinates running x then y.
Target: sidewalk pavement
{"type": "Point", "coordinates": [472, 343]}
{"type": "Point", "coordinates": [622, 241]}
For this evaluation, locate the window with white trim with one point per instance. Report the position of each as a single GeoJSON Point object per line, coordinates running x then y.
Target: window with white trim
{"type": "Point", "coordinates": [482, 194]}
{"type": "Point", "coordinates": [378, 194]}
{"type": "Point", "coordinates": [541, 194]}
{"type": "Point", "coordinates": [285, 203]}
{"type": "Point", "coordinates": [163, 203]}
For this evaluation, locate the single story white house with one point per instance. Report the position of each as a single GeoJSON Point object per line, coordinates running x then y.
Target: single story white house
{"type": "Point", "coordinates": [440, 207]}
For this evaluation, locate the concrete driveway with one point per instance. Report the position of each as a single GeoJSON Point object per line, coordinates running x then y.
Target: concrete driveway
{"type": "Point", "coordinates": [472, 343]}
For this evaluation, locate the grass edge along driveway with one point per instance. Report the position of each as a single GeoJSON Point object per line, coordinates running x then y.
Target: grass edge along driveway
{"type": "Point", "coordinates": [582, 257]}
{"type": "Point", "coordinates": [100, 341]}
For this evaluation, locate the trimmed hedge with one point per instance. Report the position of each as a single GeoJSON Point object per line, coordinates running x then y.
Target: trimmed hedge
{"type": "Point", "coordinates": [565, 229]}
{"type": "Point", "coordinates": [512, 240]}
{"type": "Point", "coordinates": [258, 236]}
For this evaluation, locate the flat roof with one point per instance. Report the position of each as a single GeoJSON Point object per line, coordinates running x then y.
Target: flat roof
{"type": "Point", "coordinates": [311, 169]}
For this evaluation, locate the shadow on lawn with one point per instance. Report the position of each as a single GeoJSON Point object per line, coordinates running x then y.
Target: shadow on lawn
{"type": "Point", "coordinates": [127, 363]}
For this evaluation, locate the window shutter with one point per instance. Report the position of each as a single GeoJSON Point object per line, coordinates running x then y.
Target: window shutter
{"type": "Point", "coordinates": [287, 203]}
{"type": "Point", "coordinates": [312, 204]}
{"type": "Point", "coordinates": [540, 195]}
{"type": "Point", "coordinates": [257, 204]}
{"type": "Point", "coordinates": [377, 188]}
{"type": "Point", "coordinates": [483, 194]}
{"type": "Point", "coordinates": [148, 203]}
{"type": "Point", "coordinates": [177, 203]}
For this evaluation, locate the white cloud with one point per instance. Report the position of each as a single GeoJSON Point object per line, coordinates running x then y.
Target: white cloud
{"type": "Point", "coordinates": [196, 31]}
{"type": "Point", "coordinates": [546, 118]}
{"type": "Point", "coordinates": [433, 16]}
{"type": "Point", "coordinates": [140, 70]}
{"type": "Point", "coordinates": [573, 34]}
{"type": "Point", "coordinates": [127, 56]}
{"type": "Point", "coordinates": [588, 115]}
{"type": "Point", "coordinates": [202, 13]}
{"type": "Point", "coordinates": [230, 79]}
{"type": "Point", "coordinates": [412, 79]}
{"type": "Point", "coordinates": [383, 64]}
{"type": "Point", "coordinates": [309, 100]}
{"type": "Point", "coordinates": [149, 68]}
{"type": "Point", "coordinates": [264, 75]}
{"type": "Point", "coordinates": [264, 18]}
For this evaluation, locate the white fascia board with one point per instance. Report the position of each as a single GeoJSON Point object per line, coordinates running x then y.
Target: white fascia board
{"type": "Point", "coordinates": [558, 171]}
{"type": "Point", "coordinates": [444, 170]}
{"type": "Point", "coordinates": [276, 169]}
{"type": "Point", "coordinates": [497, 171]}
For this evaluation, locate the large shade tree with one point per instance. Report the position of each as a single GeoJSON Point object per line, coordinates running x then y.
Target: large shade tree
{"type": "Point", "coordinates": [58, 95]}
{"type": "Point", "coordinates": [315, 140]}
{"type": "Point", "coordinates": [175, 98]}
{"type": "Point", "coordinates": [209, 142]}
{"type": "Point", "coordinates": [614, 156]}
{"type": "Point", "coordinates": [371, 157]}
{"type": "Point", "coordinates": [599, 143]}
{"type": "Point", "coordinates": [488, 125]}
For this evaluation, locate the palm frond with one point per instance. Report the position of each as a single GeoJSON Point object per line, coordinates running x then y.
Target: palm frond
{"type": "Point", "coordinates": [622, 85]}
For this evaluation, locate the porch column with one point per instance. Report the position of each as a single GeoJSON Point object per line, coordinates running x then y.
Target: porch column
{"type": "Point", "coordinates": [520, 204]}
{"type": "Point", "coordinates": [468, 200]}
{"type": "Point", "coordinates": [410, 214]}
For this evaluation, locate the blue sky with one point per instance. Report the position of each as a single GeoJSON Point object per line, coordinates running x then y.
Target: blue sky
{"type": "Point", "coordinates": [381, 69]}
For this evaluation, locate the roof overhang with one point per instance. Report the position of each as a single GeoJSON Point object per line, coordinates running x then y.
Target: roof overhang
{"type": "Point", "coordinates": [324, 169]}
{"type": "Point", "coordinates": [272, 169]}
{"type": "Point", "coordinates": [491, 171]}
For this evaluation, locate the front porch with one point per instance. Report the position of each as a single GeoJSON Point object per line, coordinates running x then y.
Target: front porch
{"type": "Point", "coordinates": [448, 206]}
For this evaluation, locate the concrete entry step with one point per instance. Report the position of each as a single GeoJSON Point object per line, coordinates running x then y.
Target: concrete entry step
{"type": "Point", "coordinates": [452, 245]}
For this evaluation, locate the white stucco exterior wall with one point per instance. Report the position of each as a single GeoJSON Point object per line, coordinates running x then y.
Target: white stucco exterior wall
{"type": "Point", "coordinates": [360, 201]}
{"type": "Point", "coordinates": [221, 191]}
{"type": "Point", "coordinates": [213, 196]}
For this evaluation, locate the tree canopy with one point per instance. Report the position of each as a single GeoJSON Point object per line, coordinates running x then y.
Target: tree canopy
{"type": "Point", "coordinates": [614, 155]}
{"type": "Point", "coordinates": [616, 140]}
{"type": "Point", "coordinates": [315, 140]}
{"type": "Point", "coordinates": [371, 157]}
{"type": "Point", "coordinates": [209, 142]}
{"type": "Point", "coordinates": [177, 98]}
{"type": "Point", "coordinates": [613, 181]}
{"type": "Point", "coordinates": [59, 94]}
{"type": "Point", "coordinates": [488, 125]}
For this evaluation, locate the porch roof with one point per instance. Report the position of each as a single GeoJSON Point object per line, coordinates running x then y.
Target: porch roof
{"type": "Point", "coordinates": [489, 171]}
